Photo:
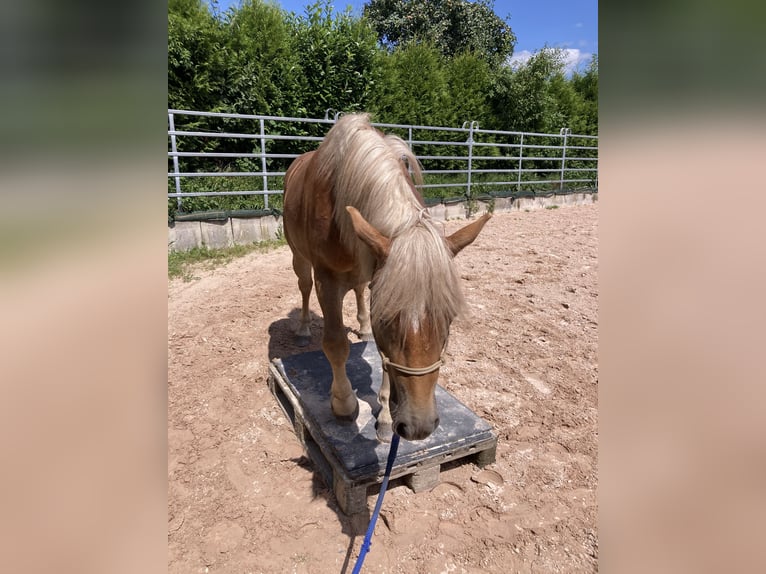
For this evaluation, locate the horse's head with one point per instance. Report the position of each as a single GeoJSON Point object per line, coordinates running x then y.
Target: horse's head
{"type": "Point", "coordinates": [414, 297]}
{"type": "Point", "coordinates": [412, 365]}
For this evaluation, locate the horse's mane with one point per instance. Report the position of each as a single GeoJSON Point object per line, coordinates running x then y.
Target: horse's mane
{"type": "Point", "coordinates": [364, 168]}
{"type": "Point", "coordinates": [368, 170]}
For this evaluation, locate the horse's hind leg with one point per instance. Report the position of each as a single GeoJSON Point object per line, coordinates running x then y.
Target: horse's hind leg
{"type": "Point", "coordinates": [363, 313]}
{"type": "Point", "coordinates": [302, 268]}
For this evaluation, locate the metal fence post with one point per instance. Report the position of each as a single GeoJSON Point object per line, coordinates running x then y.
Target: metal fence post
{"type": "Point", "coordinates": [521, 156]}
{"type": "Point", "coordinates": [174, 149]}
{"type": "Point", "coordinates": [470, 154]}
{"type": "Point", "coordinates": [564, 132]}
{"type": "Point", "coordinates": [263, 165]}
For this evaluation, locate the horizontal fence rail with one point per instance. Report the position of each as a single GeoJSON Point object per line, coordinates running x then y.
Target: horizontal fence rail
{"type": "Point", "coordinates": [221, 161]}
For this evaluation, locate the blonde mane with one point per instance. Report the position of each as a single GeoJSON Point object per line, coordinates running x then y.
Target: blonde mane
{"type": "Point", "coordinates": [368, 170]}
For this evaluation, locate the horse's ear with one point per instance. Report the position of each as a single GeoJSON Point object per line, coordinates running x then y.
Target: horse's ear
{"type": "Point", "coordinates": [465, 235]}
{"type": "Point", "coordinates": [379, 243]}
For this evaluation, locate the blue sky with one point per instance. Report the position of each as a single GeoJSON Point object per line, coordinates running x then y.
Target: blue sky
{"type": "Point", "coordinates": [568, 24]}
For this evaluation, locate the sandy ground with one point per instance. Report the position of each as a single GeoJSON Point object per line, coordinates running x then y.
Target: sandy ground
{"type": "Point", "coordinates": [242, 497]}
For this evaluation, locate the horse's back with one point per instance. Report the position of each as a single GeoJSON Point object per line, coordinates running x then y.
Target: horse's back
{"type": "Point", "coordinates": [309, 224]}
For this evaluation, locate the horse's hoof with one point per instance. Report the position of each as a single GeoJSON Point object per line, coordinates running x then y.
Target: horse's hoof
{"type": "Point", "coordinates": [384, 431]}
{"type": "Point", "coordinates": [347, 418]}
{"type": "Point", "coordinates": [302, 340]}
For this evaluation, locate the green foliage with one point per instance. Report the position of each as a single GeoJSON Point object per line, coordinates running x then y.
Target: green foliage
{"type": "Point", "coordinates": [522, 98]}
{"type": "Point", "coordinates": [196, 65]}
{"type": "Point", "coordinates": [243, 61]}
{"type": "Point", "coordinates": [262, 66]}
{"type": "Point", "coordinates": [415, 87]}
{"type": "Point", "coordinates": [469, 79]}
{"type": "Point", "coordinates": [412, 62]}
{"type": "Point", "coordinates": [537, 97]}
{"type": "Point", "coordinates": [586, 87]}
{"type": "Point", "coordinates": [182, 264]}
{"type": "Point", "coordinates": [440, 63]}
{"type": "Point", "coordinates": [452, 26]}
{"type": "Point", "coordinates": [337, 57]}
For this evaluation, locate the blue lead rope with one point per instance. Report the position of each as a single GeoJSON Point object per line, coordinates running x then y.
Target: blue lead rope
{"type": "Point", "coordinates": [371, 528]}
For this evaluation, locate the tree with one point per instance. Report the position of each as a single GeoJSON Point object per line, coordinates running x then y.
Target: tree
{"type": "Point", "coordinates": [469, 79]}
{"type": "Point", "coordinates": [586, 86]}
{"type": "Point", "coordinates": [522, 98]}
{"type": "Point", "coordinates": [260, 61]}
{"type": "Point", "coordinates": [414, 88]}
{"type": "Point", "coordinates": [440, 63]}
{"type": "Point", "coordinates": [195, 60]}
{"type": "Point", "coordinates": [452, 26]}
{"type": "Point", "coordinates": [337, 59]}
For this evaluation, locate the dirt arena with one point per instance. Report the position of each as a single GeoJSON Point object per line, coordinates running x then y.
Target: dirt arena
{"type": "Point", "coordinates": [243, 498]}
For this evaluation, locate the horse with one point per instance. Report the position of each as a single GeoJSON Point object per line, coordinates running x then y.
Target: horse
{"type": "Point", "coordinates": [353, 215]}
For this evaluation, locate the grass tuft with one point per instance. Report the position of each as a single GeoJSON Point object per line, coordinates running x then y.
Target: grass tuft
{"type": "Point", "coordinates": [182, 264]}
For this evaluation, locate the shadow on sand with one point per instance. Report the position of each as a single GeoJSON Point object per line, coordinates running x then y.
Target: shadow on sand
{"type": "Point", "coordinates": [310, 368]}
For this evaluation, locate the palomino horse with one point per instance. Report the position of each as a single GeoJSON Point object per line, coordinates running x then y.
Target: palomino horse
{"type": "Point", "coordinates": [352, 213]}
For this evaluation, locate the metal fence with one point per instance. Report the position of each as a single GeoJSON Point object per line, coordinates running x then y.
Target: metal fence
{"type": "Point", "coordinates": [236, 161]}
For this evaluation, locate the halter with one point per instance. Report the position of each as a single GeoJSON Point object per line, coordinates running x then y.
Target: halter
{"type": "Point", "coordinates": [423, 215]}
{"type": "Point", "coordinates": [410, 370]}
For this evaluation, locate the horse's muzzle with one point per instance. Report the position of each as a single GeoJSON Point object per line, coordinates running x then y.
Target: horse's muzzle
{"type": "Point", "coordinates": [416, 430]}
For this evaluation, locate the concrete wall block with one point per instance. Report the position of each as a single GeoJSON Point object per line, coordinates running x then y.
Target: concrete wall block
{"type": "Point", "coordinates": [523, 203]}
{"type": "Point", "coordinates": [216, 234]}
{"type": "Point", "coordinates": [245, 231]}
{"type": "Point", "coordinates": [480, 207]}
{"type": "Point", "coordinates": [503, 203]}
{"type": "Point", "coordinates": [585, 198]}
{"type": "Point", "coordinates": [270, 227]}
{"type": "Point", "coordinates": [455, 211]}
{"type": "Point", "coordinates": [184, 235]}
{"type": "Point", "coordinates": [438, 211]}
{"type": "Point", "coordinates": [555, 200]}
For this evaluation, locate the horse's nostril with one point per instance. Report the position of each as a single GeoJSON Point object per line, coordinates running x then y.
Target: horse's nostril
{"type": "Point", "coordinates": [436, 423]}
{"type": "Point", "coordinates": [401, 430]}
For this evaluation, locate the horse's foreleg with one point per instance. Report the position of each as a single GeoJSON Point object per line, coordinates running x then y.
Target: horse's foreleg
{"type": "Point", "coordinates": [384, 422]}
{"type": "Point", "coordinates": [302, 268]}
{"type": "Point", "coordinates": [363, 313]}
{"type": "Point", "coordinates": [335, 344]}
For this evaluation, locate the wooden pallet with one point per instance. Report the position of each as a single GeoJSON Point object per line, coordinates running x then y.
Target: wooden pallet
{"type": "Point", "coordinates": [348, 455]}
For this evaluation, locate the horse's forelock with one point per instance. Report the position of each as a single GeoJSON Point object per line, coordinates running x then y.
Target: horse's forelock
{"type": "Point", "coordinates": [419, 279]}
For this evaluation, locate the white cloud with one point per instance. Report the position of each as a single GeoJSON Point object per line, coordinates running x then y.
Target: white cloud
{"type": "Point", "coordinates": [579, 25]}
{"type": "Point", "coordinates": [574, 59]}
{"type": "Point", "coordinates": [520, 58]}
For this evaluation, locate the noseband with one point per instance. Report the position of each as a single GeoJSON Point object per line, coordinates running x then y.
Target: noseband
{"type": "Point", "coordinates": [410, 370]}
